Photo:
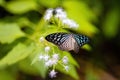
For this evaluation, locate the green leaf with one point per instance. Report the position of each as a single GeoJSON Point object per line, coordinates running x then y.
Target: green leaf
{"type": "Point", "coordinates": [49, 3]}
{"type": "Point", "coordinates": [6, 75]}
{"type": "Point", "coordinates": [9, 32]}
{"type": "Point", "coordinates": [71, 59]}
{"type": "Point", "coordinates": [32, 64]}
{"type": "Point", "coordinates": [37, 68]}
{"type": "Point", "coordinates": [71, 72]}
{"type": "Point", "coordinates": [41, 68]}
{"type": "Point", "coordinates": [39, 64]}
{"type": "Point", "coordinates": [2, 2]}
{"type": "Point", "coordinates": [87, 47]}
{"type": "Point", "coordinates": [21, 6]}
{"type": "Point", "coordinates": [111, 23]}
{"type": "Point", "coordinates": [82, 15]}
{"type": "Point", "coordinates": [91, 75]}
{"type": "Point", "coordinates": [79, 9]}
{"type": "Point", "coordinates": [72, 64]}
{"type": "Point", "coordinates": [19, 52]}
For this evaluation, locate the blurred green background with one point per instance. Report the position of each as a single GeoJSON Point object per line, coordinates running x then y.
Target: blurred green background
{"type": "Point", "coordinates": [22, 24]}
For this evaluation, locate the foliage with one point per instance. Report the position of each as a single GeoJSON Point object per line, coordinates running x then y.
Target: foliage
{"type": "Point", "coordinates": [22, 25]}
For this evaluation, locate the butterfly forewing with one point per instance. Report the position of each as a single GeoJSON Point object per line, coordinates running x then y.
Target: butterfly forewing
{"type": "Point", "coordinates": [81, 39]}
{"type": "Point", "coordinates": [57, 38]}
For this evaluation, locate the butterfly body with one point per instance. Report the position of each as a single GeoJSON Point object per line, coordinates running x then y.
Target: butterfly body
{"type": "Point", "coordinates": [68, 41]}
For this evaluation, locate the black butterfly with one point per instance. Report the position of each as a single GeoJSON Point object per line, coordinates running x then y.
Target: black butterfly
{"type": "Point", "coordinates": [68, 41]}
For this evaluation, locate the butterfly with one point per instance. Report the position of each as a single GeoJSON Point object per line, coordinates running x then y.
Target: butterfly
{"type": "Point", "coordinates": [68, 41]}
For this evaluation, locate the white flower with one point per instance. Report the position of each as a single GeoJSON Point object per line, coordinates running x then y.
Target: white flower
{"type": "Point", "coordinates": [41, 57]}
{"type": "Point", "coordinates": [59, 10]}
{"type": "Point", "coordinates": [66, 68]}
{"type": "Point", "coordinates": [65, 59]}
{"type": "Point", "coordinates": [60, 13]}
{"type": "Point", "coordinates": [48, 14]}
{"type": "Point", "coordinates": [46, 57]}
{"type": "Point", "coordinates": [41, 39]}
{"type": "Point", "coordinates": [48, 63]}
{"type": "Point", "coordinates": [54, 61]}
{"type": "Point", "coordinates": [70, 23]}
{"type": "Point", "coordinates": [55, 56]}
{"type": "Point", "coordinates": [52, 74]}
{"type": "Point", "coordinates": [51, 62]}
{"type": "Point", "coordinates": [47, 48]}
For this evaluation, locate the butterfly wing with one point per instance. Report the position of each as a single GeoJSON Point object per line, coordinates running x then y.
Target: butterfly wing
{"type": "Point", "coordinates": [70, 44]}
{"type": "Point", "coordinates": [67, 41]}
{"type": "Point", "coordinates": [81, 39]}
{"type": "Point", "coordinates": [57, 38]}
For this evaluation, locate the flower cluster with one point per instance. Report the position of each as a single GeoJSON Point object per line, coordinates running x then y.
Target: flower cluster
{"type": "Point", "coordinates": [48, 14]}
{"type": "Point", "coordinates": [53, 60]}
{"type": "Point", "coordinates": [61, 15]}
